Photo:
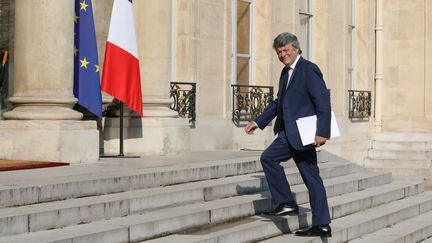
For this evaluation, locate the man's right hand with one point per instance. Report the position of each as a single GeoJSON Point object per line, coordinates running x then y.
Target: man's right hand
{"type": "Point", "coordinates": [250, 128]}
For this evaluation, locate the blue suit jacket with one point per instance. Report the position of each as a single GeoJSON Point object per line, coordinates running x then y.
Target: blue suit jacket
{"type": "Point", "coordinates": [306, 95]}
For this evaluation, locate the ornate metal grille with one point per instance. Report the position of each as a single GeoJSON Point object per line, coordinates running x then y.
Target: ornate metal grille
{"type": "Point", "coordinates": [184, 96]}
{"type": "Point", "coordinates": [359, 104]}
{"type": "Point", "coordinates": [249, 101]}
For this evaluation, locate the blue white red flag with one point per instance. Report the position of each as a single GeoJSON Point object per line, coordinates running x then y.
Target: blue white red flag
{"type": "Point", "coordinates": [86, 67]}
{"type": "Point", "coordinates": [121, 72]}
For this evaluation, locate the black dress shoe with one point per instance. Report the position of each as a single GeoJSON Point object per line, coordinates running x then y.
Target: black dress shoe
{"type": "Point", "coordinates": [322, 231]}
{"type": "Point", "coordinates": [282, 210]}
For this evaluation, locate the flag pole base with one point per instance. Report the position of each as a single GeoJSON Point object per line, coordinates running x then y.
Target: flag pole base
{"type": "Point", "coordinates": [119, 156]}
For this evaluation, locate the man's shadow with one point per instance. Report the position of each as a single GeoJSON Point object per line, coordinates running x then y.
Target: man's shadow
{"type": "Point", "coordinates": [265, 204]}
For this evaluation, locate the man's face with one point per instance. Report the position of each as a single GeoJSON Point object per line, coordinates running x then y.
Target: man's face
{"type": "Point", "coordinates": [287, 54]}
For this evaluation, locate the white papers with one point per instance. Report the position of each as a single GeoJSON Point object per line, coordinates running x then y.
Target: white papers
{"type": "Point", "coordinates": [307, 128]}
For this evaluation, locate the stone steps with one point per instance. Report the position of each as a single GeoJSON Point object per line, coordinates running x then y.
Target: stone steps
{"type": "Point", "coordinates": [405, 155]}
{"type": "Point", "coordinates": [41, 217]}
{"type": "Point", "coordinates": [208, 201]}
{"type": "Point", "coordinates": [400, 154]}
{"type": "Point", "coordinates": [428, 240]}
{"type": "Point", "coordinates": [339, 208]}
{"type": "Point", "coordinates": [49, 215]}
{"type": "Point", "coordinates": [92, 184]}
{"type": "Point", "coordinates": [398, 163]}
{"type": "Point", "coordinates": [402, 136]}
{"type": "Point", "coordinates": [371, 220]}
{"type": "Point", "coordinates": [402, 141]}
{"type": "Point", "coordinates": [406, 173]}
{"type": "Point", "coordinates": [412, 230]}
{"type": "Point", "coordinates": [257, 228]}
{"type": "Point", "coordinates": [139, 226]}
{"type": "Point", "coordinates": [409, 173]}
{"type": "Point", "coordinates": [402, 145]}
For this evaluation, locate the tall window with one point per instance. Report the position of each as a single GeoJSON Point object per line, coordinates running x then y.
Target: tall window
{"type": "Point", "coordinates": [242, 41]}
{"type": "Point", "coordinates": [351, 51]}
{"type": "Point", "coordinates": [305, 12]}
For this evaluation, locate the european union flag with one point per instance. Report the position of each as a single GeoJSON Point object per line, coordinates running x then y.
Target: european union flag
{"type": "Point", "coordinates": [86, 67]}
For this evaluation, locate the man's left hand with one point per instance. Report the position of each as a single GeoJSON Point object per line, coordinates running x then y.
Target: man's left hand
{"type": "Point", "coordinates": [319, 141]}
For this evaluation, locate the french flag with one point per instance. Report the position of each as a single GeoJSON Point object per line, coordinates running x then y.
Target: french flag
{"type": "Point", "coordinates": [121, 74]}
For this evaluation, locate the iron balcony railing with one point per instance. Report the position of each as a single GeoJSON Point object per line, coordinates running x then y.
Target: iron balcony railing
{"type": "Point", "coordinates": [184, 97]}
{"type": "Point", "coordinates": [249, 101]}
{"type": "Point", "coordinates": [359, 105]}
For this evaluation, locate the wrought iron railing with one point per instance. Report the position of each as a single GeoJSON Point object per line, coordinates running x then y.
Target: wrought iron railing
{"type": "Point", "coordinates": [184, 96]}
{"type": "Point", "coordinates": [359, 105]}
{"type": "Point", "coordinates": [249, 101]}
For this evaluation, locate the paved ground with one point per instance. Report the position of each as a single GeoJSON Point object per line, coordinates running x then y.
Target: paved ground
{"type": "Point", "coordinates": [114, 165]}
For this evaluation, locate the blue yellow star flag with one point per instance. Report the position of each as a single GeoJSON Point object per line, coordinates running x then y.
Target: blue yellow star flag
{"type": "Point", "coordinates": [86, 67]}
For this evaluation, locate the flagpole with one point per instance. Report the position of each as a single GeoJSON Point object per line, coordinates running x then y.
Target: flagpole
{"type": "Point", "coordinates": [121, 139]}
{"type": "Point", "coordinates": [121, 130]}
{"type": "Point", "coordinates": [121, 74]}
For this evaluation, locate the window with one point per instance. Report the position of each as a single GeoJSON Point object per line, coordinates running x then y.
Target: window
{"type": "Point", "coordinates": [304, 36]}
{"type": "Point", "coordinates": [242, 41]}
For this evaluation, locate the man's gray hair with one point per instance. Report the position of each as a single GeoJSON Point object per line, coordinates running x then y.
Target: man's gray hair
{"type": "Point", "coordinates": [286, 38]}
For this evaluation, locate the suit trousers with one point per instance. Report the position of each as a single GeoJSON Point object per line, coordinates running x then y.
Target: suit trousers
{"type": "Point", "coordinates": [306, 161]}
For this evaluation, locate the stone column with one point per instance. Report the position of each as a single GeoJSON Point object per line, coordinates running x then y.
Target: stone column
{"type": "Point", "coordinates": [155, 55]}
{"type": "Point", "coordinates": [42, 125]}
{"type": "Point", "coordinates": [160, 131]}
{"type": "Point", "coordinates": [379, 36]}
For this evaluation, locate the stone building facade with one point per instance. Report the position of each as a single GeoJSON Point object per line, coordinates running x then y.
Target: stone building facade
{"type": "Point", "coordinates": [381, 46]}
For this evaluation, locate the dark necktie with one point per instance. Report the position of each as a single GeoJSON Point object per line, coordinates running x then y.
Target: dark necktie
{"type": "Point", "coordinates": [279, 119]}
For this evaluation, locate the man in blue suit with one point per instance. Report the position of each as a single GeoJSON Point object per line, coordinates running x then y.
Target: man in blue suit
{"type": "Point", "coordinates": [302, 93]}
